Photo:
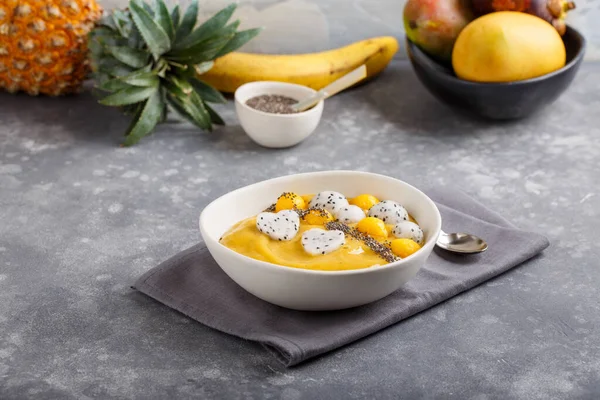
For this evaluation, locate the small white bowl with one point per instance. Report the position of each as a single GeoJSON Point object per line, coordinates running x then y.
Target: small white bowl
{"type": "Point", "coordinates": [276, 130]}
{"type": "Point", "coordinates": [303, 289]}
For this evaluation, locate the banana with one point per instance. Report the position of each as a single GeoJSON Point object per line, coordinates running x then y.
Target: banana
{"type": "Point", "coordinates": [315, 70]}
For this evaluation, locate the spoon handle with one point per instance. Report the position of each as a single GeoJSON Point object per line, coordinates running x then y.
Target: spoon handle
{"type": "Point", "coordinates": [335, 87]}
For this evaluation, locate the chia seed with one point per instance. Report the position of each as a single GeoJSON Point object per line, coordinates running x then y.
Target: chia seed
{"type": "Point", "coordinates": [380, 249]}
{"type": "Point", "coordinates": [271, 208]}
{"type": "Point", "coordinates": [272, 103]}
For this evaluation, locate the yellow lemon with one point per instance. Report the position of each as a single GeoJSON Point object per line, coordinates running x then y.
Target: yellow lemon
{"type": "Point", "coordinates": [507, 46]}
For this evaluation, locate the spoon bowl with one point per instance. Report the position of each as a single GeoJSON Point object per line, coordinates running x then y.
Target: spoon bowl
{"type": "Point", "coordinates": [463, 243]}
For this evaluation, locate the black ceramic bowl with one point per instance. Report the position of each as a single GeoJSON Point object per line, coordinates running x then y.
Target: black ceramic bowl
{"type": "Point", "coordinates": [509, 100]}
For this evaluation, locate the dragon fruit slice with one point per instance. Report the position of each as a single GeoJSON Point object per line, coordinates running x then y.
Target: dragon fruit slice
{"type": "Point", "coordinates": [408, 230]}
{"type": "Point", "coordinates": [350, 214]}
{"type": "Point", "coordinates": [389, 212]}
{"type": "Point", "coordinates": [282, 226]}
{"type": "Point", "coordinates": [330, 201]}
{"type": "Point", "coordinates": [319, 241]}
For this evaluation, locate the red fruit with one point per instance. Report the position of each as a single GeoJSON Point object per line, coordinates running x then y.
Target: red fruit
{"type": "Point", "coordinates": [434, 25]}
{"type": "Point", "coordinates": [553, 11]}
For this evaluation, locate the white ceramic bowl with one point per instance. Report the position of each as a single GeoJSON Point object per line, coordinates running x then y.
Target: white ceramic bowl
{"type": "Point", "coordinates": [276, 130]}
{"type": "Point", "coordinates": [303, 289]}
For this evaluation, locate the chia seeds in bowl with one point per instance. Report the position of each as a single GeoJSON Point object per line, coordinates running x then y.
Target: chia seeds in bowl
{"type": "Point", "coordinates": [272, 103]}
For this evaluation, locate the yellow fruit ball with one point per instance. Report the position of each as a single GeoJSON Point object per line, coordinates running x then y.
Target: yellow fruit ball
{"type": "Point", "coordinates": [373, 227]}
{"type": "Point", "coordinates": [507, 46]}
{"type": "Point", "coordinates": [404, 247]}
{"type": "Point", "coordinates": [290, 201]}
{"type": "Point", "coordinates": [307, 197]}
{"type": "Point", "coordinates": [364, 201]}
{"type": "Point", "coordinates": [318, 217]}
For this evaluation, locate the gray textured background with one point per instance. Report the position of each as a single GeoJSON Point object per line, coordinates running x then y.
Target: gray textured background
{"type": "Point", "coordinates": [294, 26]}
{"type": "Point", "coordinates": [81, 219]}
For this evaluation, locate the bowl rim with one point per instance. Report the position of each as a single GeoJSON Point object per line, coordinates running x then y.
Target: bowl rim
{"type": "Point", "coordinates": [412, 46]}
{"type": "Point", "coordinates": [302, 271]}
{"type": "Point", "coordinates": [274, 115]}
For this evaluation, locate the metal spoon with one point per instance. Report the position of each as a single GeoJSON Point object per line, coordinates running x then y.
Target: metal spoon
{"type": "Point", "coordinates": [461, 243]}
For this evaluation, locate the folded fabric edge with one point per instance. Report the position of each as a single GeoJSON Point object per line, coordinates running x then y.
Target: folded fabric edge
{"type": "Point", "coordinates": [279, 347]}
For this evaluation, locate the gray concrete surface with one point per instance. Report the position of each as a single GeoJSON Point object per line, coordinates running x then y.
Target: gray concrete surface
{"type": "Point", "coordinates": [81, 219]}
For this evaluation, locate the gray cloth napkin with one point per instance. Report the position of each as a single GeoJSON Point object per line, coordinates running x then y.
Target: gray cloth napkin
{"type": "Point", "coordinates": [191, 282]}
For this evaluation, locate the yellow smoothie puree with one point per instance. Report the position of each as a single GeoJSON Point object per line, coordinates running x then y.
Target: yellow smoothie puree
{"type": "Point", "coordinates": [246, 238]}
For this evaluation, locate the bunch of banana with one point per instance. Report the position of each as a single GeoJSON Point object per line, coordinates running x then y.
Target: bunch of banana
{"type": "Point", "coordinates": [315, 70]}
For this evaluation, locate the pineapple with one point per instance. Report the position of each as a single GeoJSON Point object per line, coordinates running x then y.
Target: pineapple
{"type": "Point", "coordinates": [43, 44]}
{"type": "Point", "coordinates": [147, 59]}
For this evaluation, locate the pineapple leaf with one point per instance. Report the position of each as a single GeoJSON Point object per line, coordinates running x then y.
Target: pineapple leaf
{"type": "Point", "coordinates": [146, 119]}
{"type": "Point", "coordinates": [189, 20]}
{"type": "Point", "coordinates": [199, 104]}
{"type": "Point", "coordinates": [208, 28]}
{"type": "Point", "coordinates": [164, 19]}
{"type": "Point", "coordinates": [114, 67]}
{"type": "Point", "coordinates": [95, 47]}
{"type": "Point", "coordinates": [141, 78]}
{"type": "Point", "coordinates": [174, 90]}
{"type": "Point", "coordinates": [146, 7]}
{"type": "Point", "coordinates": [179, 109]}
{"type": "Point", "coordinates": [132, 57]}
{"type": "Point", "coordinates": [175, 17]}
{"type": "Point", "coordinates": [240, 39]}
{"type": "Point", "coordinates": [122, 22]}
{"type": "Point", "coordinates": [183, 71]}
{"type": "Point", "coordinates": [135, 39]}
{"type": "Point", "coordinates": [127, 96]}
{"type": "Point", "coordinates": [114, 85]}
{"type": "Point", "coordinates": [204, 67]}
{"type": "Point", "coordinates": [207, 92]}
{"type": "Point", "coordinates": [101, 77]}
{"type": "Point", "coordinates": [207, 49]}
{"type": "Point", "coordinates": [188, 108]}
{"type": "Point", "coordinates": [204, 52]}
{"type": "Point", "coordinates": [108, 23]}
{"type": "Point", "coordinates": [181, 84]}
{"type": "Point", "coordinates": [215, 118]}
{"type": "Point", "coordinates": [105, 36]}
{"type": "Point", "coordinates": [155, 37]}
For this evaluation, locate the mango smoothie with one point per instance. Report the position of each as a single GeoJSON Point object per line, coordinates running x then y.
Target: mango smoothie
{"type": "Point", "coordinates": [327, 232]}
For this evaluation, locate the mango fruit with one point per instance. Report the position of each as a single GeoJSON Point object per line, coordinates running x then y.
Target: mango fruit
{"type": "Point", "coordinates": [553, 11]}
{"type": "Point", "coordinates": [434, 25]}
{"type": "Point", "coordinates": [507, 46]}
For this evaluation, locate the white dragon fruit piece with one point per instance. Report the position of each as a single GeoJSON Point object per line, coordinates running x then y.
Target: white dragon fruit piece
{"type": "Point", "coordinates": [282, 226]}
{"type": "Point", "coordinates": [319, 241]}
{"type": "Point", "coordinates": [389, 212]}
{"type": "Point", "coordinates": [330, 201]}
{"type": "Point", "coordinates": [408, 230]}
{"type": "Point", "coordinates": [350, 214]}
